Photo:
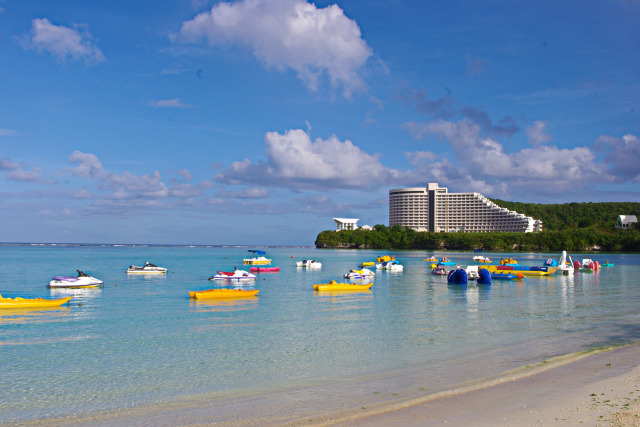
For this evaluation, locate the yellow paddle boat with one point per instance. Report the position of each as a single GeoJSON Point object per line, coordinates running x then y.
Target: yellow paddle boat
{"type": "Point", "coordinates": [431, 259]}
{"type": "Point", "coordinates": [334, 286]}
{"type": "Point", "coordinates": [224, 293]}
{"type": "Point", "coordinates": [368, 264]}
{"type": "Point", "coordinates": [31, 302]}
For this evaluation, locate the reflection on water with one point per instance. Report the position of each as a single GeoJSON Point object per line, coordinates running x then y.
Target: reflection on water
{"type": "Point", "coordinates": [23, 316]}
{"type": "Point", "coordinates": [224, 304]}
{"type": "Point", "coordinates": [78, 294]}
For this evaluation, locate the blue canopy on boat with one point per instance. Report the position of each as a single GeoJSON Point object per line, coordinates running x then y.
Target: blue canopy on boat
{"type": "Point", "coordinates": [257, 252]}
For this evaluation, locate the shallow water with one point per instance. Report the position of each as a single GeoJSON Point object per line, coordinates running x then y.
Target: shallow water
{"type": "Point", "coordinates": [140, 340]}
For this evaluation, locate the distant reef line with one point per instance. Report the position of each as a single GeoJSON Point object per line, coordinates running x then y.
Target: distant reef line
{"type": "Point", "coordinates": [398, 237]}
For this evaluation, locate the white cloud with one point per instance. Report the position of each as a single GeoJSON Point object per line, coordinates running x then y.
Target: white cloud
{"type": "Point", "coordinates": [63, 42]}
{"type": "Point", "coordinates": [16, 172]}
{"type": "Point", "coordinates": [537, 133]}
{"type": "Point", "coordinates": [294, 161]}
{"type": "Point", "coordinates": [7, 132]}
{"type": "Point", "coordinates": [622, 155]}
{"type": "Point", "coordinates": [169, 103]}
{"type": "Point", "coordinates": [539, 169]}
{"type": "Point", "coordinates": [288, 34]}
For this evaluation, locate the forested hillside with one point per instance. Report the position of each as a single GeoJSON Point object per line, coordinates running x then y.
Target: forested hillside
{"type": "Point", "coordinates": [571, 227]}
{"type": "Point", "coordinates": [574, 215]}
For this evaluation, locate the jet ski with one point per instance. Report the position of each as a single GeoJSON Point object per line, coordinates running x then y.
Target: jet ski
{"type": "Point", "coordinates": [83, 280]}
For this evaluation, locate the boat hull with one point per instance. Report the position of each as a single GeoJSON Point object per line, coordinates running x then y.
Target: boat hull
{"type": "Point", "coordinates": [526, 270]}
{"type": "Point", "coordinates": [333, 286]}
{"type": "Point", "coordinates": [32, 302]}
{"type": "Point", "coordinates": [223, 293]}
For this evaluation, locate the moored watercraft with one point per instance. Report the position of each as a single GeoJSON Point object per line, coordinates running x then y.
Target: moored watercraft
{"type": "Point", "coordinates": [147, 268]}
{"type": "Point", "coordinates": [438, 270]}
{"type": "Point", "coordinates": [223, 293]}
{"type": "Point", "coordinates": [508, 261]}
{"type": "Point", "coordinates": [431, 259]}
{"type": "Point", "coordinates": [83, 280]}
{"type": "Point", "coordinates": [446, 261]}
{"type": "Point", "coordinates": [526, 270]}
{"type": "Point", "coordinates": [565, 264]}
{"type": "Point", "coordinates": [385, 258]}
{"type": "Point", "coordinates": [19, 302]}
{"type": "Point", "coordinates": [368, 264]}
{"type": "Point", "coordinates": [480, 257]}
{"type": "Point", "coordinates": [457, 277]}
{"type": "Point", "coordinates": [309, 263]}
{"type": "Point", "coordinates": [390, 265]}
{"type": "Point", "coordinates": [257, 259]}
{"type": "Point", "coordinates": [334, 286]}
{"type": "Point", "coordinates": [264, 269]}
{"type": "Point", "coordinates": [234, 276]}
{"type": "Point", "coordinates": [359, 274]}
{"type": "Point", "coordinates": [507, 275]}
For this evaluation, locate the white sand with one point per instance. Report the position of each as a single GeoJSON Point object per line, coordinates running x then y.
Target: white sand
{"type": "Point", "coordinates": [596, 390]}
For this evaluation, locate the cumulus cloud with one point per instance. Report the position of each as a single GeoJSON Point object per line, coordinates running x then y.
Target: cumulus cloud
{"type": "Point", "coordinates": [295, 161]}
{"type": "Point", "coordinates": [14, 171]}
{"type": "Point", "coordinates": [622, 155]}
{"type": "Point", "coordinates": [542, 168]}
{"type": "Point", "coordinates": [246, 193]}
{"type": "Point", "coordinates": [288, 34]}
{"type": "Point", "coordinates": [63, 42]}
{"type": "Point", "coordinates": [127, 189]}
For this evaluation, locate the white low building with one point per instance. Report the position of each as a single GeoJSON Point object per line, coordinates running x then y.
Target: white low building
{"type": "Point", "coordinates": [624, 221]}
{"type": "Point", "coordinates": [433, 208]}
{"type": "Point", "coordinates": [346, 223]}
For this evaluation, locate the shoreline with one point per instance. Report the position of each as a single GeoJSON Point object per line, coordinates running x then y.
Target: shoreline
{"type": "Point", "coordinates": [594, 387]}
{"type": "Point", "coordinates": [588, 387]}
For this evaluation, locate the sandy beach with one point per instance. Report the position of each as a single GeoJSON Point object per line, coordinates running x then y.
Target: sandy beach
{"type": "Point", "coordinates": [599, 387]}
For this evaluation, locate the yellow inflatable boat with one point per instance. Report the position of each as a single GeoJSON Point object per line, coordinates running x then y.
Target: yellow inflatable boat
{"type": "Point", "coordinates": [224, 293]}
{"type": "Point", "coordinates": [334, 286]}
{"type": "Point", "coordinates": [31, 302]}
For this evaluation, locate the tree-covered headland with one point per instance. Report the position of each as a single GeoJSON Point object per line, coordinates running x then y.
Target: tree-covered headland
{"type": "Point", "coordinates": [571, 227]}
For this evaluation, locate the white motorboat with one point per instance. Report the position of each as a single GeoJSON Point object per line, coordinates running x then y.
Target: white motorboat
{"type": "Point", "coordinates": [234, 276]}
{"type": "Point", "coordinates": [359, 274]}
{"type": "Point", "coordinates": [81, 281]}
{"type": "Point", "coordinates": [147, 268]}
{"type": "Point", "coordinates": [257, 259]}
{"type": "Point", "coordinates": [390, 265]}
{"type": "Point", "coordinates": [309, 263]}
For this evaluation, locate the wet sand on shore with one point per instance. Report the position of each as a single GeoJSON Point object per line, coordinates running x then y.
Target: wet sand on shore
{"type": "Point", "coordinates": [598, 389]}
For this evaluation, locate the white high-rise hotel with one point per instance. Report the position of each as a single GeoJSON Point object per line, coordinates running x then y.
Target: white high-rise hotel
{"type": "Point", "coordinates": [434, 209]}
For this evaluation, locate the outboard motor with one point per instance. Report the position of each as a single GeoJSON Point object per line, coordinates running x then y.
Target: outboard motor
{"type": "Point", "coordinates": [484, 277]}
{"type": "Point", "coordinates": [458, 277]}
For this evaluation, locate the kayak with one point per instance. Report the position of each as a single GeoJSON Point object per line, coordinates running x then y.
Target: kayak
{"type": "Point", "coordinates": [333, 286]}
{"type": "Point", "coordinates": [264, 269]}
{"type": "Point", "coordinates": [223, 293]}
{"type": "Point", "coordinates": [31, 302]}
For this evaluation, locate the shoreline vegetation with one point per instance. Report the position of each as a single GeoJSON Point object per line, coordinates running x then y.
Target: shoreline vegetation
{"type": "Point", "coordinates": [402, 238]}
{"type": "Point", "coordinates": [574, 227]}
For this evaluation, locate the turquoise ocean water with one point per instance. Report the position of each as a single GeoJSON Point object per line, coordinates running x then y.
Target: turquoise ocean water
{"type": "Point", "coordinates": [141, 342]}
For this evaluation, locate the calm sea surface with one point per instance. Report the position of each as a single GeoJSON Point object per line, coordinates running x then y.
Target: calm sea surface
{"type": "Point", "coordinates": [141, 341]}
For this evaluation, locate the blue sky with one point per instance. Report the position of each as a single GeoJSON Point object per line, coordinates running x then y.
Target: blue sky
{"type": "Point", "coordinates": [256, 122]}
